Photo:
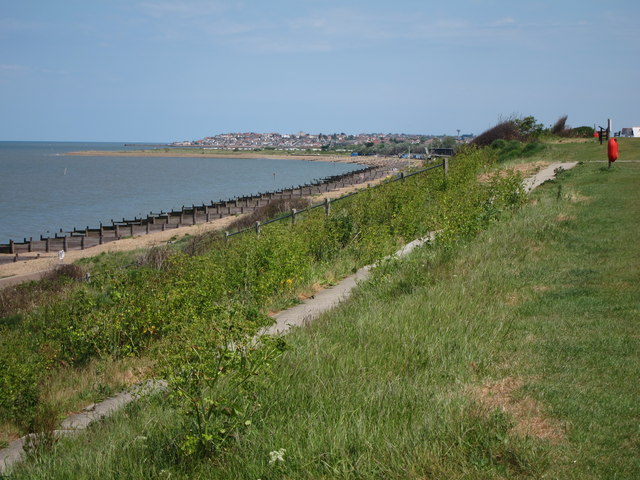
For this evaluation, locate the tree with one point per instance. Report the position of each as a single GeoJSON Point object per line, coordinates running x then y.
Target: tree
{"type": "Point", "coordinates": [528, 126]}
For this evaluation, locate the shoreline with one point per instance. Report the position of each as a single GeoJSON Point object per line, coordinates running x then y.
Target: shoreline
{"type": "Point", "coordinates": [373, 160]}
{"type": "Point", "coordinates": [33, 264]}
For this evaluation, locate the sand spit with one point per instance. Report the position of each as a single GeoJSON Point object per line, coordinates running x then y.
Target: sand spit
{"type": "Point", "coordinates": [373, 160]}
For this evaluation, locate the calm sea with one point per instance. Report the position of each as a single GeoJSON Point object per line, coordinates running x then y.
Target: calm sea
{"type": "Point", "coordinates": [43, 190]}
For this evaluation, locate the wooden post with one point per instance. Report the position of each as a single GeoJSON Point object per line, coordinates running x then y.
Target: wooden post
{"type": "Point", "coordinates": [147, 228]}
{"type": "Point", "coordinates": [402, 176]}
{"type": "Point", "coordinates": [293, 216]}
{"type": "Point", "coordinates": [327, 206]}
{"type": "Point", "coordinates": [29, 245]}
{"type": "Point", "coordinates": [101, 239]}
{"type": "Point", "coordinates": [12, 247]}
{"type": "Point", "coordinates": [226, 237]}
{"type": "Point", "coordinates": [46, 245]}
{"type": "Point", "coordinates": [258, 227]}
{"type": "Point", "coordinates": [445, 164]}
{"type": "Point", "coordinates": [82, 242]}
{"type": "Point", "coordinates": [65, 243]}
{"type": "Point", "coordinates": [131, 229]}
{"type": "Point", "coordinates": [194, 215]}
{"type": "Point", "coordinates": [117, 230]}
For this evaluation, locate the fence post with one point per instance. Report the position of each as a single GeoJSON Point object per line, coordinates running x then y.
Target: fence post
{"type": "Point", "coordinates": [258, 227]}
{"type": "Point", "coordinates": [100, 240]}
{"type": "Point", "coordinates": [82, 242]}
{"type": "Point", "coordinates": [117, 230]}
{"type": "Point", "coordinates": [46, 245]}
{"type": "Point", "coordinates": [29, 247]}
{"type": "Point", "coordinates": [226, 237]}
{"type": "Point", "coordinates": [293, 216]}
{"type": "Point", "coordinates": [445, 164]}
{"type": "Point", "coordinates": [12, 248]}
{"type": "Point", "coordinates": [194, 215]}
{"type": "Point", "coordinates": [327, 206]}
{"type": "Point", "coordinates": [131, 229]}
{"type": "Point", "coordinates": [402, 176]}
{"type": "Point", "coordinates": [65, 243]}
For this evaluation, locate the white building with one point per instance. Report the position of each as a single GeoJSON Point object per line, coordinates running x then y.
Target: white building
{"type": "Point", "coordinates": [631, 132]}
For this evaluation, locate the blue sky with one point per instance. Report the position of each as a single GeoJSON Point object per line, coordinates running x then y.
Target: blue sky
{"type": "Point", "coordinates": [164, 70]}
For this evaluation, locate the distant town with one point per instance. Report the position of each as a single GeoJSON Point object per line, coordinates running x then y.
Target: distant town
{"type": "Point", "coordinates": [384, 143]}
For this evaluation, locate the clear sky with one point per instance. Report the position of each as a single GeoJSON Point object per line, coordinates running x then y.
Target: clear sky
{"type": "Point", "coordinates": [166, 70]}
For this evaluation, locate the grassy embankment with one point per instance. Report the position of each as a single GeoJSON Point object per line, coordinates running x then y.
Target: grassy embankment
{"type": "Point", "coordinates": [512, 355]}
{"type": "Point", "coordinates": [66, 343]}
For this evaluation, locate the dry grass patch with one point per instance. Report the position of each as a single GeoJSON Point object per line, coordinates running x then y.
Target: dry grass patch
{"type": "Point", "coordinates": [72, 389]}
{"type": "Point", "coordinates": [525, 169]}
{"type": "Point", "coordinates": [570, 140]}
{"type": "Point", "coordinates": [541, 288]}
{"type": "Point", "coordinates": [527, 413]}
{"type": "Point", "coordinates": [565, 218]}
{"type": "Point", "coordinates": [577, 198]}
{"type": "Point", "coordinates": [513, 299]}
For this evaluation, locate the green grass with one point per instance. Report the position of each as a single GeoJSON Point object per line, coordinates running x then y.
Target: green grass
{"type": "Point", "coordinates": [538, 313]}
{"type": "Point", "coordinates": [128, 309]}
{"type": "Point", "coordinates": [590, 150]}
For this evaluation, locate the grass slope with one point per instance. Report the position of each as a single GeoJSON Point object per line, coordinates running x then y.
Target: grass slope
{"type": "Point", "coordinates": [512, 356]}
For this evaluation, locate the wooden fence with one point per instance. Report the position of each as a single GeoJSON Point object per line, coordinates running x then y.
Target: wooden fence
{"type": "Point", "coordinates": [326, 204]}
{"type": "Point", "coordinates": [154, 222]}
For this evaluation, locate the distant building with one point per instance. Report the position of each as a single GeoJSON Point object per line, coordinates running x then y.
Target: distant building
{"type": "Point", "coordinates": [631, 132]}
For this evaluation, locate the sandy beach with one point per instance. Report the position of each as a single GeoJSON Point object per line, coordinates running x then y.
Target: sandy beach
{"type": "Point", "coordinates": [31, 264]}
{"type": "Point", "coordinates": [373, 160]}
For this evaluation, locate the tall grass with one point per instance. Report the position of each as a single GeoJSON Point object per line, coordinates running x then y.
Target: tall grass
{"type": "Point", "coordinates": [511, 355]}
{"type": "Point", "coordinates": [123, 312]}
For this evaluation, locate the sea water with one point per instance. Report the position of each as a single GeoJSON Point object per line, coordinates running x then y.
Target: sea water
{"type": "Point", "coordinates": [42, 190]}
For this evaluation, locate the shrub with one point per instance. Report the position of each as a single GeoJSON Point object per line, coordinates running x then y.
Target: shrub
{"type": "Point", "coordinates": [186, 298]}
{"type": "Point", "coordinates": [514, 128]}
{"type": "Point", "coordinates": [506, 130]}
{"type": "Point", "coordinates": [271, 210]}
{"type": "Point", "coordinates": [583, 132]}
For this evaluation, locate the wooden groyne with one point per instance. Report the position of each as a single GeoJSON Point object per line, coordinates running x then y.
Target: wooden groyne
{"type": "Point", "coordinates": [188, 215]}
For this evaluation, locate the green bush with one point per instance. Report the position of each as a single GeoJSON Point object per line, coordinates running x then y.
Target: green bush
{"type": "Point", "coordinates": [124, 311]}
